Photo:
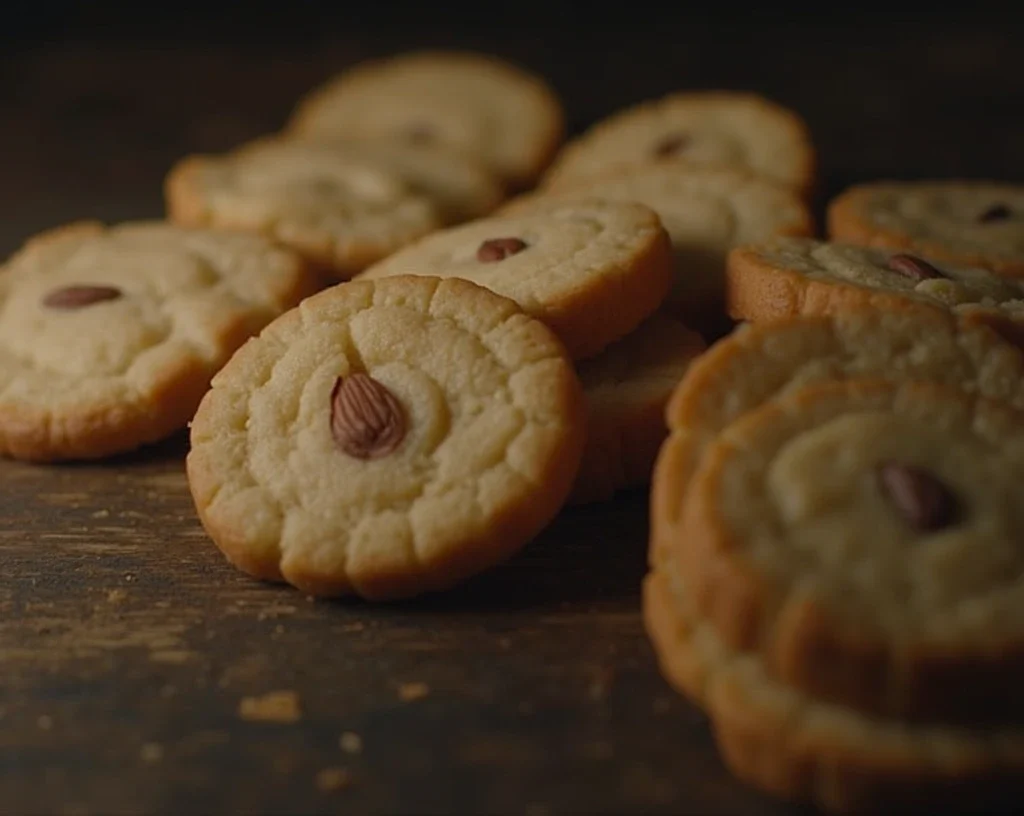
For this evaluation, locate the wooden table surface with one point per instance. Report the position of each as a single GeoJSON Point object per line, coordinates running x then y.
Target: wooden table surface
{"type": "Point", "coordinates": [127, 645]}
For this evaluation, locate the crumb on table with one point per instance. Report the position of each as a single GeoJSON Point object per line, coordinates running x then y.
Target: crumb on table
{"type": "Point", "coordinates": [275, 706]}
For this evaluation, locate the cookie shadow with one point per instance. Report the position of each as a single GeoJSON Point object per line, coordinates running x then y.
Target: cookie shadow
{"type": "Point", "coordinates": [588, 555]}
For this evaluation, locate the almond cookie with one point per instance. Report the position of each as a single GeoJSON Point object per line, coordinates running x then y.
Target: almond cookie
{"type": "Point", "coordinates": [591, 270]}
{"type": "Point", "coordinates": [626, 387]}
{"type": "Point", "coordinates": [109, 336]}
{"type": "Point", "coordinates": [966, 223]}
{"type": "Point", "coordinates": [759, 362]}
{"type": "Point", "coordinates": [706, 210]}
{"type": "Point", "coordinates": [704, 127]}
{"type": "Point", "coordinates": [387, 438]}
{"type": "Point", "coordinates": [787, 277]}
{"type": "Point", "coordinates": [479, 105]}
{"type": "Point", "coordinates": [461, 186]}
{"type": "Point", "coordinates": [794, 746]}
{"type": "Point", "coordinates": [342, 212]}
{"type": "Point", "coordinates": [864, 539]}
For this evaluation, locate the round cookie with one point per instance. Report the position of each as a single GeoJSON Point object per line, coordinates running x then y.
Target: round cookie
{"type": "Point", "coordinates": [591, 270]}
{"type": "Point", "coordinates": [461, 186]}
{"type": "Point", "coordinates": [863, 539]}
{"type": "Point", "coordinates": [507, 117]}
{"type": "Point", "coordinates": [109, 336]}
{"type": "Point", "coordinates": [786, 277]}
{"type": "Point", "coordinates": [341, 212]}
{"type": "Point", "coordinates": [387, 438]}
{"type": "Point", "coordinates": [704, 127]}
{"type": "Point", "coordinates": [795, 746]}
{"type": "Point", "coordinates": [759, 362]}
{"type": "Point", "coordinates": [965, 223]}
{"type": "Point", "coordinates": [626, 388]}
{"type": "Point", "coordinates": [707, 211]}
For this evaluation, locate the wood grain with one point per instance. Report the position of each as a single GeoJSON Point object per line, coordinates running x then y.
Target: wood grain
{"type": "Point", "coordinates": [134, 659]}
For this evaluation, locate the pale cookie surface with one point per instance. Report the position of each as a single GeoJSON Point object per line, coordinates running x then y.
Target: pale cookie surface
{"type": "Point", "coordinates": [387, 438]}
{"type": "Point", "coordinates": [706, 210]}
{"type": "Point", "coordinates": [705, 127]}
{"type": "Point", "coordinates": [591, 270]}
{"type": "Point", "coordinates": [626, 387]}
{"type": "Point", "coordinates": [795, 746]}
{"type": "Point", "coordinates": [341, 212]}
{"type": "Point", "coordinates": [461, 186]}
{"type": "Point", "coordinates": [787, 277]}
{"type": "Point", "coordinates": [970, 223]}
{"type": "Point", "coordinates": [109, 337]}
{"type": "Point", "coordinates": [864, 538]}
{"type": "Point", "coordinates": [507, 117]}
{"type": "Point", "coordinates": [758, 362]}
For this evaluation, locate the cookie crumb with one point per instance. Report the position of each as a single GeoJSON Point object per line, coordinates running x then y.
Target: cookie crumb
{"type": "Point", "coordinates": [45, 722]}
{"type": "Point", "coordinates": [116, 595]}
{"type": "Point", "coordinates": [275, 706]}
{"type": "Point", "coordinates": [101, 514]}
{"type": "Point", "coordinates": [152, 752]}
{"type": "Point", "coordinates": [407, 692]}
{"type": "Point", "coordinates": [351, 743]}
{"type": "Point", "coordinates": [332, 779]}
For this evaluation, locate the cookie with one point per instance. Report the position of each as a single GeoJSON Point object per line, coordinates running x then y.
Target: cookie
{"type": "Point", "coordinates": [863, 539]}
{"type": "Point", "coordinates": [964, 223]}
{"type": "Point", "coordinates": [591, 270]}
{"type": "Point", "coordinates": [505, 116]}
{"type": "Point", "coordinates": [461, 186]}
{"type": "Point", "coordinates": [339, 211]}
{"type": "Point", "coordinates": [706, 210]}
{"type": "Point", "coordinates": [787, 277]}
{"type": "Point", "coordinates": [759, 362]}
{"type": "Point", "coordinates": [626, 388]}
{"type": "Point", "coordinates": [795, 746]}
{"type": "Point", "coordinates": [109, 336]}
{"type": "Point", "coordinates": [387, 438]}
{"type": "Point", "coordinates": [704, 127]}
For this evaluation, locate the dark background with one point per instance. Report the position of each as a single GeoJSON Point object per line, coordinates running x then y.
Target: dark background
{"type": "Point", "coordinates": [98, 99]}
{"type": "Point", "coordinates": [131, 632]}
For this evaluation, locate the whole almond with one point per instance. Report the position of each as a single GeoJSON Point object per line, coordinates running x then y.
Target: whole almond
{"type": "Point", "coordinates": [923, 501]}
{"type": "Point", "coordinates": [77, 297]}
{"type": "Point", "coordinates": [367, 422]}
{"type": "Point", "coordinates": [913, 267]}
{"type": "Point", "coordinates": [498, 249]}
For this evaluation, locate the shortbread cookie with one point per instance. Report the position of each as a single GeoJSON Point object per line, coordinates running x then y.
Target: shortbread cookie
{"type": "Point", "coordinates": [762, 361]}
{"type": "Point", "coordinates": [626, 387]}
{"type": "Point", "coordinates": [705, 127]}
{"type": "Point", "coordinates": [965, 223]}
{"type": "Point", "coordinates": [339, 211]}
{"type": "Point", "coordinates": [591, 270]}
{"type": "Point", "coordinates": [387, 438]}
{"type": "Point", "coordinates": [507, 117]}
{"type": "Point", "coordinates": [787, 277]}
{"type": "Point", "coordinates": [109, 336]}
{"type": "Point", "coordinates": [864, 539]}
{"type": "Point", "coordinates": [794, 746]}
{"type": "Point", "coordinates": [461, 186]}
{"type": "Point", "coordinates": [707, 211]}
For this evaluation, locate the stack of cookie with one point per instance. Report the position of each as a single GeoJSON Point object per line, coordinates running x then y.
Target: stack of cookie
{"type": "Point", "coordinates": [835, 555]}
